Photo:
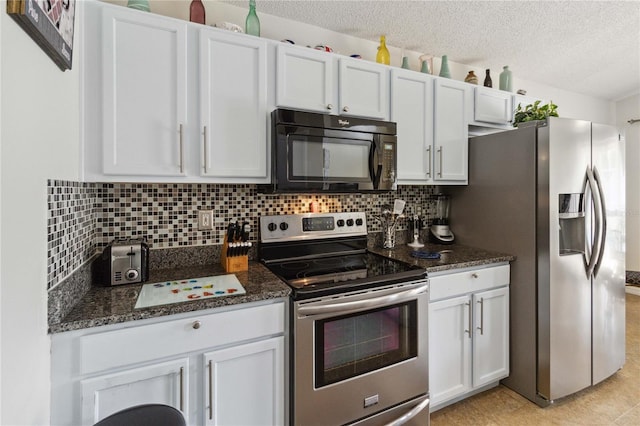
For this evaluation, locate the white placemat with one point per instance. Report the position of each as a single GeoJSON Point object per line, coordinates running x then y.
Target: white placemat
{"type": "Point", "coordinates": [167, 292]}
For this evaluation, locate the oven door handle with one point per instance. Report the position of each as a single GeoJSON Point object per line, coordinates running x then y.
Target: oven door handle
{"type": "Point", "coordinates": [409, 415]}
{"type": "Point", "coordinates": [360, 304]}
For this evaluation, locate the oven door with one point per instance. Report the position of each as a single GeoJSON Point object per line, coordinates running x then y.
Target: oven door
{"type": "Point", "coordinates": [359, 355]}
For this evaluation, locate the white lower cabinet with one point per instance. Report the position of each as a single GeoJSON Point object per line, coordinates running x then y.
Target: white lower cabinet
{"type": "Point", "coordinates": [468, 333]}
{"type": "Point", "coordinates": [218, 367]}
{"type": "Point", "coordinates": [245, 384]}
{"type": "Point", "coordinates": [163, 383]}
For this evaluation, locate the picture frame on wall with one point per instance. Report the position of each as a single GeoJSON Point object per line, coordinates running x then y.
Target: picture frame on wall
{"type": "Point", "coordinates": [50, 24]}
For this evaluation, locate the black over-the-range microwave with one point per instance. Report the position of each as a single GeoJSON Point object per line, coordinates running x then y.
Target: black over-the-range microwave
{"type": "Point", "coordinates": [314, 152]}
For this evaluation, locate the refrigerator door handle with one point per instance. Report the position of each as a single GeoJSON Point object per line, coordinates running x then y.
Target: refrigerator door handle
{"type": "Point", "coordinates": [596, 244]}
{"type": "Point", "coordinates": [603, 231]}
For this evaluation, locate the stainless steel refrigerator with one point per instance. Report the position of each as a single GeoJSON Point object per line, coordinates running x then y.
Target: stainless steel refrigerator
{"type": "Point", "coordinates": [552, 193]}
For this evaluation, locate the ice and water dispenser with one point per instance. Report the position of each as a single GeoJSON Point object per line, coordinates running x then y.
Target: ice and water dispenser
{"type": "Point", "coordinates": [571, 215]}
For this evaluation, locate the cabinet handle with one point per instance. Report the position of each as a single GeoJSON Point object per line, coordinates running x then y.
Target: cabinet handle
{"type": "Point", "coordinates": [481, 328]}
{"type": "Point", "coordinates": [440, 156]}
{"type": "Point", "coordinates": [181, 150]}
{"type": "Point", "coordinates": [182, 389]}
{"type": "Point", "coordinates": [329, 107]}
{"type": "Point", "coordinates": [196, 324]}
{"type": "Point", "coordinates": [429, 161]}
{"type": "Point", "coordinates": [474, 275]}
{"type": "Point", "coordinates": [204, 139]}
{"type": "Point", "coordinates": [469, 330]}
{"type": "Point", "coordinates": [345, 109]}
{"type": "Point", "coordinates": [210, 390]}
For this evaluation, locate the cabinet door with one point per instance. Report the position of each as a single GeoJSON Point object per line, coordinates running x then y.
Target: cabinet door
{"type": "Point", "coordinates": [363, 89]}
{"type": "Point", "coordinates": [491, 336]}
{"type": "Point", "coordinates": [245, 384]}
{"type": "Point", "coordinates": [451, 131]}
{"type": "Point", "coordinates": [493, 106]}
{"type": "Point", "coordinates": [449, 348]}
{"type": "Point", "coordinates": [166, 383]}
{"type": "Point", "coordinates": [412, 110]}
{"type": "Point", "coordinates": [233, 93]}
{"type": "Point", "coordinates": [144, 88]}
{"type": "Point", "coordinates": [305, 79]}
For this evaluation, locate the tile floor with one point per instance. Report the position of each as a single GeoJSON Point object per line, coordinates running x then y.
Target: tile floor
{"type": "Point", "coordinates": [616, 401]}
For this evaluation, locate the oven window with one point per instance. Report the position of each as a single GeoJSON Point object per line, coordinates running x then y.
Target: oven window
{"type": "Point", "coordinates": [328, 158]}
{"type": "Point", "coordinates": [351, 345]}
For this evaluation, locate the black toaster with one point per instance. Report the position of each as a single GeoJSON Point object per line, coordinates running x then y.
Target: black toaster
{"type": "Point", "coordinates": [122, 262]}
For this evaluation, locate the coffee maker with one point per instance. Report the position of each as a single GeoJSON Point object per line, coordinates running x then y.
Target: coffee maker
{"type": "Point", "coordinates": [440, 232]}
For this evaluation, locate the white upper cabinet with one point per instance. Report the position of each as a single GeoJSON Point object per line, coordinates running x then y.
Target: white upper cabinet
{"type": "Point", "coordinates": [318, 81]}
{"type": "Point", "coordinates": [452, 100]}
{"type": "Point", "coordinates": [363, 89]}
{"type": "Point", "coordinates": [493, 106]}
{"type": "Point", "coordinates": [144, 93]}
{"type": "Point", "coordinates": [233, 107]}
{"type": "Point", "coordinates": [170, 101]}
{"type": "Point", "coordinates": [305, 79]}
{"type": "Point", "coordinates": [412, 110]}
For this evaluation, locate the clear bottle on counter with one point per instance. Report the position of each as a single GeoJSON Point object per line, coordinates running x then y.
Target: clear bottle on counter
{"type": "Point", "coordinates": [252, 24]}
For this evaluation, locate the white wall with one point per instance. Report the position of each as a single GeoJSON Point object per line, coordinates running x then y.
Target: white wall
{"type": "Point", "coordinates": [39, 134]}
{"type": "Point", "coordinates": [628, 109]}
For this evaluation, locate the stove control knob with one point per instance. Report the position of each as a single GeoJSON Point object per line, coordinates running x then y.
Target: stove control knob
{"type": "Point", "coordinates": [349, 222]}
{"type": "Point", "coordinates": [340, 222]}
{"type": "Point", "coordinates": [359, 222]}
{"type": "Point", "coordinates": [284, 226]}
{"type": "Point", "coordinates": [272, 227]}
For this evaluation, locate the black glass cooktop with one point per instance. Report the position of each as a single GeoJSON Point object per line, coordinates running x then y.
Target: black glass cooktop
{"type": "Point", "coordinates": [333, 274]}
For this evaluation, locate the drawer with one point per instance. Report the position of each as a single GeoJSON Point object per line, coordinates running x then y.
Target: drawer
{"type": "Point", "coordinates": [128, 346]}
{"type": "Point", "coordinates": [468, 281]}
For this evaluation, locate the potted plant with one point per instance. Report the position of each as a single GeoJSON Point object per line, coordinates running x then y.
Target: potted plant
{"type": "Point", "coordinates": [533, 112]}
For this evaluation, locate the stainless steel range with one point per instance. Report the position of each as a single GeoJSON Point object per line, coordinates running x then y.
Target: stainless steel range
{"type": "Point", "coordinates": [359, 339]}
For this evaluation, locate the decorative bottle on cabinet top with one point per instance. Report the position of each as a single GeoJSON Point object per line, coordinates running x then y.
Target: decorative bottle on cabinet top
{"type": "Point", "coordinates": [196, 12]}
{"type": "Point", "coordinates": [252, 24]}
{"type": "Point", "coordinates": [471, 78]}
{"type": "Point", "coordinates": [383, 57]}
{"type": "Point", "coordinates": [444, 67]}
{"type": "Point", "coordinates": [139, 4]}
{"type": "Point", "coordinates": [487, 79]}
{"type": "Point", "coordinates": [506, 79]}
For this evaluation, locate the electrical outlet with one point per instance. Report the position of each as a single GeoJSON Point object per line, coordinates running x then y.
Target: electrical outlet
{"type": "Point", "coordinates": [205, 220]}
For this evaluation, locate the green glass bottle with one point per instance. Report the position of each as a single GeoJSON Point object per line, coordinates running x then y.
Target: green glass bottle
{"type": "Point", "coordinates": [252, 24]}
{"type": "Point", "coordinates": [383, 57]}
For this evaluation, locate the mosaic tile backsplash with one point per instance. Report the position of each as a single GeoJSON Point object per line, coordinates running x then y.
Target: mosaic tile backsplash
{"type": "Point", "coordinates": [84, 217]}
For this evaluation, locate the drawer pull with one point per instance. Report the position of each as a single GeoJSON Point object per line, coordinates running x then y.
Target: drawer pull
{"type": "Point", "coordinates": [474, 275]}
{"type": "Point", "coordinates": [196, 325]}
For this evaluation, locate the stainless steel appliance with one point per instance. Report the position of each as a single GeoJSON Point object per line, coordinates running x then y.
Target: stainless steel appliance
{"type": "Point", "coordinates": [326, 153]}
{"type": "Point", "coordinates": [440, 232]}
{"type": "Point", "coordinates": [359, 342]}
{"type": "Point", "coordinates": [553, 195]}
{"type": "Point", "coordinates": [122, 262]}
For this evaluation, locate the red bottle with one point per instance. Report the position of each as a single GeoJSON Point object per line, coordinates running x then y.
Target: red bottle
{"type": "Point", "coordinates": [196, 12]}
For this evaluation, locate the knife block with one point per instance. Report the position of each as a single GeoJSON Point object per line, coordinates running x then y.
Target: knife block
{"type": "Point", "coordinates": [233, 263]}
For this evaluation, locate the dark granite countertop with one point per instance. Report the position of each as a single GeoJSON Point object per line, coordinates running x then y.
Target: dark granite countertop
{"type": "Point", "coordinates": [112, 305]}
{"type": "Point", "coordinates": [453, 256]}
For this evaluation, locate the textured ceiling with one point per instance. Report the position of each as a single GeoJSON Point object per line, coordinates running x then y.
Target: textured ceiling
{"type": "Point", "coordinates": [589, 47]}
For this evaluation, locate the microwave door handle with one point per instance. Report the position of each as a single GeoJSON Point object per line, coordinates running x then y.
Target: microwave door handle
{"type": "Point", "coordinates": [375, 164]}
